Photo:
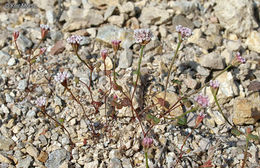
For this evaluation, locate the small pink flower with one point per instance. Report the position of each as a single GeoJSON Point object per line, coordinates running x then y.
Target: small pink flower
{"type": "Point", "coordinates": [239, 58]}
{"type": "Point", "coordinates": [104, 54]}
{"type": "Point", "coordinates": [200, 118]}
{"type": "Point", "coordinates": [147, 142]}
{"type": "Point", "coordinates": [115, 44]}
{"type": "Point", "coordinates": [61, 76]}
{"type": "Point", "coordinates": [41, 101]}
{"type": "Point", "coordinates": [143, 36]}
{"type": "Point", "coordinates": [42, 50]}
{"type": "Point", "coordinates": [15, 35]}
{"type": "Point", "coordinates": [202, 100]}
{"type": "Point", "coordinates": [184, 31]}
{"type": "Point", "coordinates": [44, 30]}
{"type": "Point", "coordinates": [214, 84]}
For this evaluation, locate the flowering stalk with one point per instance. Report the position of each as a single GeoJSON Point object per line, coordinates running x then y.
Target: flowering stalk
{"type": "Point", "coordinates": [246, 148]}
{"type": "Point", "coordinates": [183, 32]}
{"type": "Point", "coordinates": [63, 79]}
{"type": "Point", "coordinates": [115, 45]}
{"type": "Point", "coordinates": [147, 143]}
{"type": "Point", "coordinates": [138, 70]}
{"type": "Point", "coordinates": [15, 36]}
{"type": "Point", "coordinates": [40, 102]}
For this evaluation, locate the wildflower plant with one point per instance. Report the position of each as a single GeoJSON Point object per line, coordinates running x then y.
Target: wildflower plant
{"type": "Point", "coordinates": [109, 96]}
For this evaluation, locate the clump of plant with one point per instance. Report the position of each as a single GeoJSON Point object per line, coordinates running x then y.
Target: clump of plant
{"type": "Point", "coordinates": [146, 117]}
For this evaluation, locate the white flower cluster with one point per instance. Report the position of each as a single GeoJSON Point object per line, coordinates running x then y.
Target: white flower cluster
{"type": "Point", "coordinates": [61, 76]}
{"type": "Point", "coordinates": [184, 31]}
{"type": "Point", "coordinates": [41, 101]}
{"type": "Point", "coordinates": [74, 39]}
{"type": "Point", "coordinates": [142, 36]}
{"type": "Point", "coordinates": [45, 27]}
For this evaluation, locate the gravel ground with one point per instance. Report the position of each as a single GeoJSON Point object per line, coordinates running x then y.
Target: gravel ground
{"type": "Point", "coordinates": [221, 28]}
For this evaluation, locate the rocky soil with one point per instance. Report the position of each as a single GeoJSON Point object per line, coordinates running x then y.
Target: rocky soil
{"type": "Point", "coordinates": [220, 29]}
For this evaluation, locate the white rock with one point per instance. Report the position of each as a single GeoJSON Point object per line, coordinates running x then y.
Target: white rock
{"type": "Point", "coordinates": [253, 41]}
{"type": "Point", "coordinates": [235, 15]}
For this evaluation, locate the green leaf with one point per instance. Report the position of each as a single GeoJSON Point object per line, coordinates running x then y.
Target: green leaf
{"type": "Point", "coordinates": [61, 120]}
{"type": "Point", "coordinates": [176, 81]}
{"type": "Point", "coordinates": [153, 119]}
{"type": "Point", "coordinates": [182, 121]}
{"type": "Point", "coordinates": [135, 72]}
{"type": "Point", "coordinates": [235, 132]}
{"type": "Point", "coordinates": [253, 137]}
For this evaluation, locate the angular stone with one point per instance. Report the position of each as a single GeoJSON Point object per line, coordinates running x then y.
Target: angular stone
{"type": "Point", "coordinates": [93, 164]}
{"type": "Point", "coordinates": [56, 158]}
{"type": "Point", "coordinates": [171, 98]}
{"type": "Point", "coordinates": [154, 16]}
{"type": "Point", "coordinates": [5, 143]}
{"type": "Point", "coordinates": [32, 151]}
{"type": "Point", "coordinates": [48, 4]}
{"type": "Point", "coordinates": [126, 58]}
{"type": "Point", "coordinates": [4, 159]}
{"type": "Point", "coordinates": [4, 58]}
{"type": "Point", "coordinates": [109, 12]}
{"type": "Point", "coordinates": [43, 156]}
{"type": "Point", "coordinates": [212, 60]}
{"type": "Point", "coordinates": [235, 15]}
{"type": "Point", "coordinates": [58, 48]}
{"type": "Point", "coordinates": [182, 20]}
{"type": "Point", "coordinates": [108, 33]}
{"type": "Point", "coordinates": [25, 163]}
{"type": "Point", "coordinates": [98, 3]}
{"type": "Point", "coordinates": [115, 163]}
{"type": "Point", "coordinates": [23, 43]}
{"type": "Point", "coordinates": [116, 20]}
{"type": "Point", "coordinates": [253, 41]}
{"type": "Point", "coordinates": [246, 110]}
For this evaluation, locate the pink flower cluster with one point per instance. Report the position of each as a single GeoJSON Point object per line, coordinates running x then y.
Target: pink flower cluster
{"type": "Point", "coordinates": [104, 54]}
{"type": "Point", "coordinates": [239, 58]}
{"type": "Point", "coordinates": [143, 36]}
{"type": "Point", "coordinates": [184, 31]}
{"type": "Point", "coordinates": [45, 27]}
{"type": "Point", "coordinates": [147, 142]}
{"type": "Point", "coordinates": [202, 100]}
{"type": "Point", "coordinates": [214, 84]}
{"type": "Point", "coordinates": [74, 39]}
{"type": "Point", "coordinates": [61, 76]}
{"type": "Point", "coordinates": [41, 101]}
{"type": "Point", "coordinates": [115, 44]}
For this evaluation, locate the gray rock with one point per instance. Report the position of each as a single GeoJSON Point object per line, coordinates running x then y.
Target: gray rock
{"type": "Point", "coordinates": [56, 158]}
{"type": "Point", "coordinates": [115, 163]}
{"type": "Point", "coordinates": [233, 45]}
{"type": "Point", "coordinates": [253, 41]}
{"type": "Point", "coordinates": [182, 20]}
{"type": "Point", "coordinates": [50, 16]}
{"type": "Point", "coordinates": [11, 62]}
{"type": "Point", "coordinates": [93, 164]}
{"type": "Point", "coordinates": [22, 84]}
{"type": "Point", "coordinates": [98, 3]}
{"type": "Point", "coordinates": [108, 33]}
{"type": "Point", "coordinates": [235, 15]}
{"type": "Point", "coordinates": [128, 8]}
{"type": "Point", "coordinates": [5, 143]}
{"type": "Point", "coordinates": [9, 98]}
{"type": "Point", "coordinates": [117, 20]}
{"type": "Point", "coordinates": [3, 38]}
{"type": "Point", "coordinates": [23, 43]}
{"type": "Point", "coordinates": [25, 163]}
{"type": "Point", "coordinates": [126, 163]}
{"type": "Point", "coordinates": [48, 4]}
{"type": "Point", "coordinates": [126, 58]}
{"type": "Point", "coordinates": [94, 18]}
{"type": "Point", "coordinates": [154, 16]}
{"type": "Point", "coordinates": [109, 12]}
{"type": "Point", "coordinates": [183, 6]}
{"type": "Point", "coordinates": [212, 60]}
{"type": "Point", "coordinates": [204, 144]}
{"type": "Point", "coordinates": [4, 57]}
{"type": "Point", "coordinates": [75, 13]}
{"type": "Point", "coordinates": [31, 114]}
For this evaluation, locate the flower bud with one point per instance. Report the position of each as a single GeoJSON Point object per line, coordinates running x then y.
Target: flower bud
{"type": "Point", "coordinates": [147, 142]}
{"type": "Point", "coordinates": [15, 35]}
